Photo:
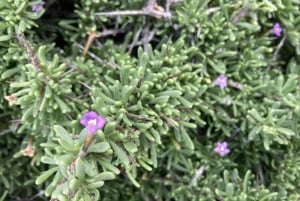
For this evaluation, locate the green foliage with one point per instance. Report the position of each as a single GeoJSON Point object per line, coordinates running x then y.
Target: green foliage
{"type": "Point", "coordinates": [75, 175]}
{"type": "Point", "coordinates": [154, 81]}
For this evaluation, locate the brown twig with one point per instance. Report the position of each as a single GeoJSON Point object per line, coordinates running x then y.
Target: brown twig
{"type": "Point", "coordinates": [91, 36]}
{"type": "Point", "coordinates": [98, 59]}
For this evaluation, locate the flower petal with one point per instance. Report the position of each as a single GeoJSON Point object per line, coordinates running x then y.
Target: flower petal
{"type": "Point", "coordinates": [92, 121]}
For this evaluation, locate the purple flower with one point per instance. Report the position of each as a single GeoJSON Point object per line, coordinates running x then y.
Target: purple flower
{"type": "Point", "coordinates": [276, 29]}
{"type": "Point", "coordinates": [92, 121]}
{"type": "Point", "coordinates": [221, 81]}
{"type": "Point", "coordinates": [222, 148]}
{"type": "Point", "coordinates": [38, 7]}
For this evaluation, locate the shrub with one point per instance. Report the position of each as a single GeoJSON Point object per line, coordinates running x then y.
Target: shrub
{"type": "Point", "coordinates": [149, 100]}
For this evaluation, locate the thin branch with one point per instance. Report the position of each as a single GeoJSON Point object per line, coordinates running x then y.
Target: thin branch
{"type": "Point", "coordinates": [109, 32]}
{"type": "Point", "coordinates": [146, 37]}
{"type": "Point", "coordinates": [151, 9]}
{"type": "Point", "coordinates": [212, 10]}
{"type": "Point", "coordinates": [154, 10]}
{"type": "Point", "coordinates": [140, 117]}
{"type": "Point", "coordinates": [173, 75]}
{"type": "Point", "coordinates": [135, 40]}
{"type": "Point", "coordinates": [169, 3]}
{"type": "Point", "coordinates": [198, 173]}
{"type": "Point", "coordinates": [261, 174]}
{"type": "Point", "coordinates": [278, 48]}
{"type": "Point", "coordinates": [69, 71]}
{"type": "Point", "coordinates": [240, 15]}
{"type": "Point", "coordinates": [235, 85]}
{"type": "Point", "coordinates": [78, 99]}
{"type": "Point", "coordinates": [98, 59]}
{"type": "Point", "coordinates": [91, 37]}
{"type": "Point", "coordinates": [119, 13]}
{"type": "Point", "coordinates": [169, 122]}
{"type": "Point", "coordinates": [31, 54]}
{"type": "Point", "coordinates": [87, 86]}
{"type": "Point", "coordinates": [4, 132]}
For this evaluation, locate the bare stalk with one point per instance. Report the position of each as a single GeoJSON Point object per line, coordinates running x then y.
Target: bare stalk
{"type": "Point", "coordinates": [31, 54]}
{"type": "Point", "coordinates": [150, 9]}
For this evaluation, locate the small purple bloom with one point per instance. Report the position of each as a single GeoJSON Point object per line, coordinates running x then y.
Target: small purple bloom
{"type": "Point", "coordinates": [92, 121]}
{"type": "Point", "coordinates": [276, 29]}
{"type": "Point", "coordinates": [222, 148]}
{"type": "Point", "coordinates": [38, 7]}
{"type": "Point", "coordinates": [221, 81]}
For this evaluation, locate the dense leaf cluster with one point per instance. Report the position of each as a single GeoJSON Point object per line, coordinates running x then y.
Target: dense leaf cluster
{"type": "Point", "coordinates": [150, 70]}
